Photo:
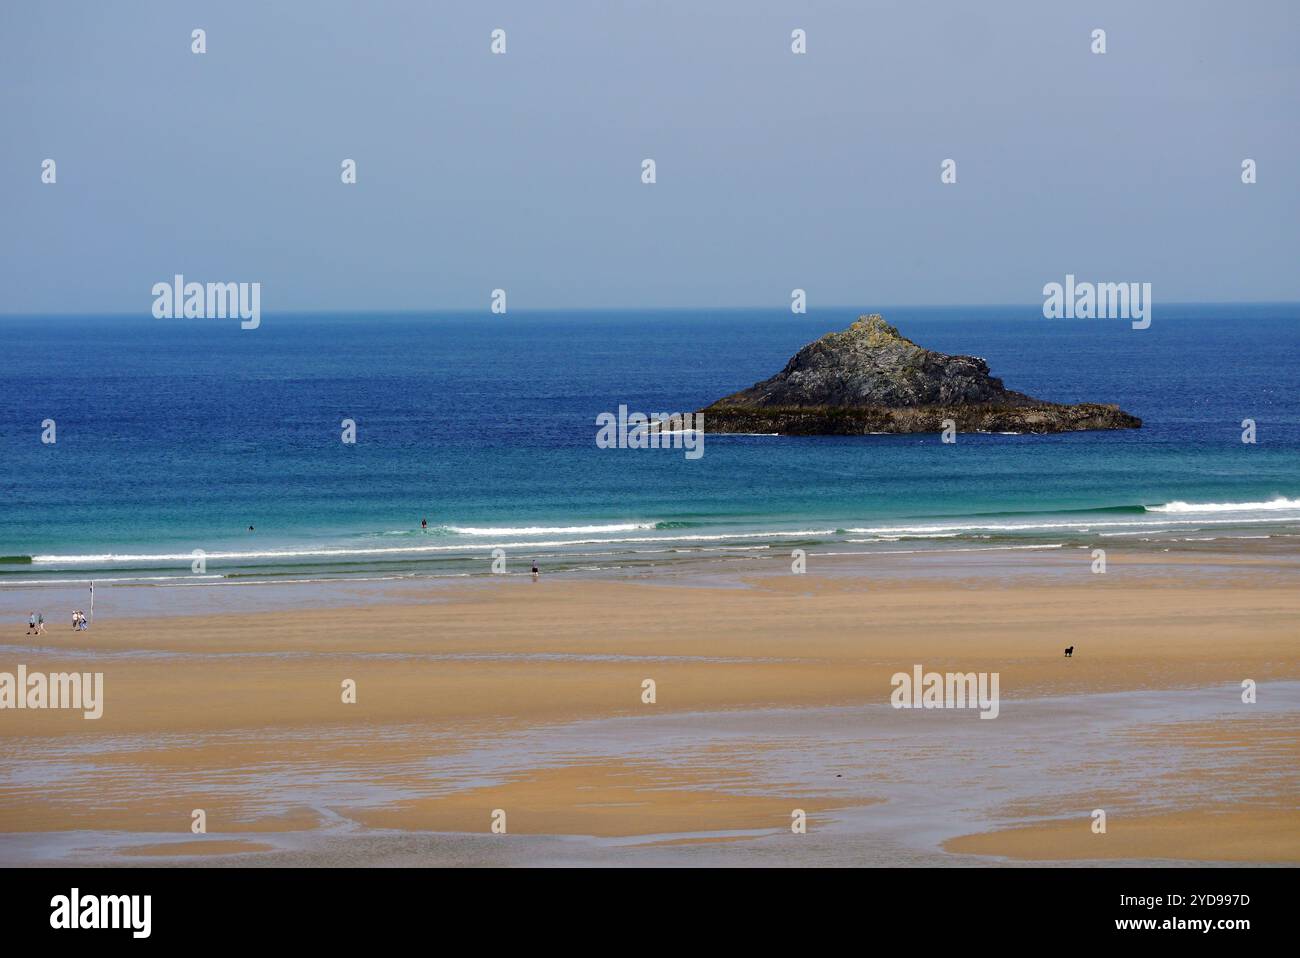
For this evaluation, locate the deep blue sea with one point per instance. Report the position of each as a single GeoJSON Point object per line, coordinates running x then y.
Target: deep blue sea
{"type": "Point", "coordinates": [176, 435]}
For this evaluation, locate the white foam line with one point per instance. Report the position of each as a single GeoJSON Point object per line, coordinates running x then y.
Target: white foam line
{"type": "Point", "coordinates": [1141, 532]}
{"type": "Point", "coordinates": [415, 550]}
{"type": "Point", "coordinates": [1076, 526]}
{"type": "Point", "coordinates": [930, 552]}
{"type": "Point", "coordinates": [548, 530]}
{"type": "Point", "coordinates": [1271, 505]}
{"type": "Point", "coordinates": [84, 579]}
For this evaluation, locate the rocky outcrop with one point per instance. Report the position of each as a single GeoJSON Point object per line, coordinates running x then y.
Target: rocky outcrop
{"type": "Point", "coordinates": [870, 379]}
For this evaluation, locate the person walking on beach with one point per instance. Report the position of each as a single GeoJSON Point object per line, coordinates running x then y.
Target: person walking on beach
{"type": "Point", "coordinates": [76, 619]}
{"type": "Point", "coordinates": [84, 624]}
{"type": "Point", "coordinates": [40, 622]}
{"type": "Point", "coordinates": [534, 570]}
{"type": "Point", "coordinates": [31, 624]}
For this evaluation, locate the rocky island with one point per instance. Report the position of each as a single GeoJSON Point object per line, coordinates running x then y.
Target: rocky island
{"type": "Point", "coordinates": [870, 379]}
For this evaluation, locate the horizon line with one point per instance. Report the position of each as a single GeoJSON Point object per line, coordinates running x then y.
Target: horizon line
{"type": "Point", "coordinates": [450, 310]}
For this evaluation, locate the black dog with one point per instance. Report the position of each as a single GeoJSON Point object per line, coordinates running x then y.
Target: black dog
{"type": "Point", "coordinates": [1069, 653]}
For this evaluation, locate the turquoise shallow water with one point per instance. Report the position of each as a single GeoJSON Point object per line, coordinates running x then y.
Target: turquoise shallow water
{"type": "Point", "coordinates": [177, 435]}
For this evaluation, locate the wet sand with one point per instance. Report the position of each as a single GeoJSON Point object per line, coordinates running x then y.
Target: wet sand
{"type": "Point", "coordinates": [771, 694]}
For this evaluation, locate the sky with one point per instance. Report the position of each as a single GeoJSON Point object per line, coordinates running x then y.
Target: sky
{"type": "Point", "coordinates": [523, 171]}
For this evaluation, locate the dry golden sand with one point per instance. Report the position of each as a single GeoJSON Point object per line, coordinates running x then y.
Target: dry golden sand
{"type": "Point", "coordinates": [1258, 835]}
{"type": "Point", "coordinates": [235, 692]}
{"type": "Point", "coordinates": [611, 799]}
{"type": "Point", "coordinates": [215, 847]}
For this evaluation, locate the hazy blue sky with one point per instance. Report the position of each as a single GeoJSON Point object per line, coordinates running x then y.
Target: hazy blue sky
{"type": "Point", "coordinates": [522, 171]}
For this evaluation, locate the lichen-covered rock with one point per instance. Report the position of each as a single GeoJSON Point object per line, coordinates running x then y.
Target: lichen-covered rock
{"type": "Point", "coordinates": [870, 379]}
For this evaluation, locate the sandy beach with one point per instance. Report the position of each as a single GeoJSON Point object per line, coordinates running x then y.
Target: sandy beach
{"type": "Point", "coordinates": [771, 695]}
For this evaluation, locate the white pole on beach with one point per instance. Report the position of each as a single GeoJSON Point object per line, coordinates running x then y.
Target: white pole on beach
{"type": "Point", "coordinates": [92, 600]}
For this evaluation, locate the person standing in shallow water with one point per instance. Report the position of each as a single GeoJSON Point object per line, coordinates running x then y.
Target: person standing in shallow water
{"type": "Point", "coordinates": [534, 570]}
{"type": "Point", "coordinates": [424, 524]}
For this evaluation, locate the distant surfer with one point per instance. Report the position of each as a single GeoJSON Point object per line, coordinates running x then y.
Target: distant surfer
{"type": "Point", "coordinates": [424, 524]}
{"type": "Point", "coordinates": [250, 528]}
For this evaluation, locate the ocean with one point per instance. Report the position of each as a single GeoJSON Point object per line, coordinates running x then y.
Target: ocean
{"type": "Point", "coordinates": [177, 435]}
